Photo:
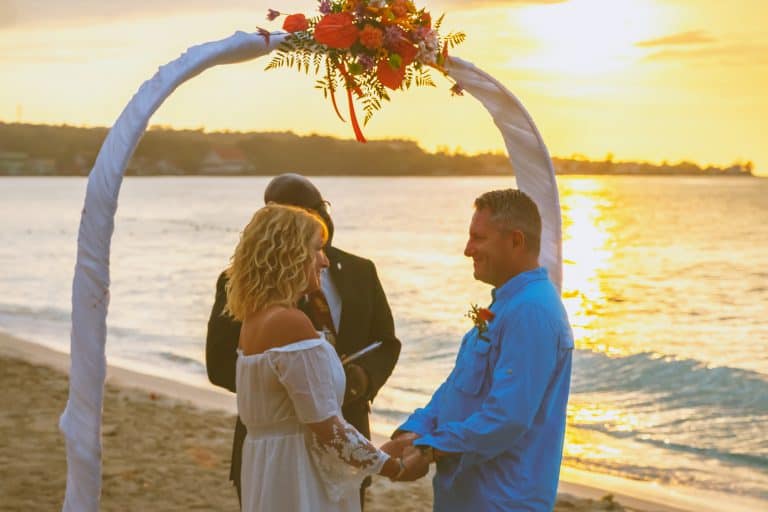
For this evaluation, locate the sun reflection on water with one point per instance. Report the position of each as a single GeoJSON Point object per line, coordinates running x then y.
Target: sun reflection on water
{"type": "Point", "coordinates": [585, 441]}
{"type": "Point", "coordinates": [587, 249]}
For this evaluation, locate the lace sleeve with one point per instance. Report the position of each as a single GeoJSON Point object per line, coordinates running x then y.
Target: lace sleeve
{"type": "Point", "coordinates": [314, 379]}
{"type": "Point", "coordinates": [343, 456]}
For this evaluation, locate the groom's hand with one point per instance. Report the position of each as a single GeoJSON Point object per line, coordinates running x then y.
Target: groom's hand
{"type": "Point", "coordinates": [416, 465]}
{"type": "Point", "coordinates": [400, 441]}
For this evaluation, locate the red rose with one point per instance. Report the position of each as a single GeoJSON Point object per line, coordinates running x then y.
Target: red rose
{"type": "Point", "coordinates": [295, 23]}
{"type": "Point", "coordinates": [390, 76]}
{"type": "Point", "coordinates": [486, 315]}
{"type": "Point", "coordinates": [336, 30]}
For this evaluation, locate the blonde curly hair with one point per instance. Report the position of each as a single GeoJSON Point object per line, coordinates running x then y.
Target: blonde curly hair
{"type": "Point", "coordinates": [268, 266]}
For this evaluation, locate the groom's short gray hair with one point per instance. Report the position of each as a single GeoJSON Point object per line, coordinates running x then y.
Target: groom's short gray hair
{"type": "Point", "coordinates": [513, 209]}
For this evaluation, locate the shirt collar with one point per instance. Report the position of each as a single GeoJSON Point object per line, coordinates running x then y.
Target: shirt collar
{"type": "Point", "coordinates": [517, 283]}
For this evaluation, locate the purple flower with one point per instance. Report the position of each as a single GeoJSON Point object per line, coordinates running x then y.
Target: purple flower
{"type": "Point", "coordinates": [421, 33]}
{"type": "Point", "coordinates": [366, 61]}
{"type": "Point", "coordinates": [392, 34]}
{"type": "Point", "coordinates": [324, 7]}
{"type": "Point", "coordinates": [272, 14]}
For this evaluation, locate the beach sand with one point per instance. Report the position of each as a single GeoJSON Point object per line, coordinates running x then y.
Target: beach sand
{"type": "Point", "coordinates": [162, 453]}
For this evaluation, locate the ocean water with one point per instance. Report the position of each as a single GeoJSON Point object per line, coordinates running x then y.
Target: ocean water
{"type": "Point", "coordinates": [665, 281]}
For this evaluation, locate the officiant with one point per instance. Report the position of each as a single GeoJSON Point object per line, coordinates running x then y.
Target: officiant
{"type": "Point", "coordinates": [351, 309]}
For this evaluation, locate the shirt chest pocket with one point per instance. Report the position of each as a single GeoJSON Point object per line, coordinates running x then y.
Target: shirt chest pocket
{"type": "Point", "coordinates": [472, 369]}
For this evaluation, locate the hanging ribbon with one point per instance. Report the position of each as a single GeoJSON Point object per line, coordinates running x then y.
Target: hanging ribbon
{"type": "Point", "coordinates": [349, 81]}
{"type": "Point", "coordinates": [353, 118]}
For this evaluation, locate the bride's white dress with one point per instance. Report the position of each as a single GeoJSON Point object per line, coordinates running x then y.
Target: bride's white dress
{"type": "Point", "coordinates": [288, 466]}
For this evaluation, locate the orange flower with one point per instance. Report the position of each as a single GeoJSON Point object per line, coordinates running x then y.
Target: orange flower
{"type": "Point", "coordinates": [337, 30]}
{"type": "Point", "coordinates": [486, 315]}
{"type": "Point", "coordinates": [390, 76]}
{"type": "Point", "coordinates": [371, 37]}
{"type": "Point", "coordinates": [351, 5]}
{"type": "Point", "coordinates": [295, 23]}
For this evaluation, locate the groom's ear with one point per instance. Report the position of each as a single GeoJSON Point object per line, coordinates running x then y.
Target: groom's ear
{"type": "Point", "coordinates": [513, 239]}
{"type": "Point", "coordinates": [516, 238]}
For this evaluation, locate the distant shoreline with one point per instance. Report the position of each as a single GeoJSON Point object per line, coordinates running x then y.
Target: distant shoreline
{"type": "Point", "coordinates": [72, 151]}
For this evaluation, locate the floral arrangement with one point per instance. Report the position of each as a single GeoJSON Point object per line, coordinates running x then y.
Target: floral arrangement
{"type": "Point", "coordinates": [480, 317]}
{"type": "Point", "coordinates": [365, 47]}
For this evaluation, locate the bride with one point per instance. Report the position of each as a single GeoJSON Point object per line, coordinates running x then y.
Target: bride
{"type": "Point", "coordinates": [300, 454]}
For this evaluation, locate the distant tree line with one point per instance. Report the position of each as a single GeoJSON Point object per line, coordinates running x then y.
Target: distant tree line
{"type": "Point", "coordinates": [68, 150]}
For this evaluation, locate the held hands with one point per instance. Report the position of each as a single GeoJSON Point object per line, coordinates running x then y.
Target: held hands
{"type": "Point", "coordinates": [416, 465]}
{"type": "Point", "coordinates": [412, 463]}
{"type": "Point", "coordinates": [399, 442]}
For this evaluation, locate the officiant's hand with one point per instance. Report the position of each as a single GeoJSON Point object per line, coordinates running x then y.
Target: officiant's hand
{"type": "Point", "coordinates": [357, 383]}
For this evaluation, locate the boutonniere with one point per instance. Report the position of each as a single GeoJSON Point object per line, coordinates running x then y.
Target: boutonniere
{"type": "Point", "coordinates": [480, 317]}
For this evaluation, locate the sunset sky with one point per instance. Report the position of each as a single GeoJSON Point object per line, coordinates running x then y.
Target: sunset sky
{"type": "Point", "coordinates": [642, 79]}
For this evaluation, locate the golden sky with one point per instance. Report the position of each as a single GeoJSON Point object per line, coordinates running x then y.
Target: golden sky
{"type": "Point", "coordinates": [641, 79]}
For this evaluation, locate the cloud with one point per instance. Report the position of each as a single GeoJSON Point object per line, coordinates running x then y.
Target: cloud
{"type": "Point", "coordinates": [749, 54]}
{"type": "Point", "coordinates": [76, 50]}
{"type": "Point", "coordinates": [15, 13]}
{"type": "Point", "coordinates": [693, 37]}
{"type": "Point", "coordinates": [699, 45]}
{"type": "Point", "coordinates": [24, 13]}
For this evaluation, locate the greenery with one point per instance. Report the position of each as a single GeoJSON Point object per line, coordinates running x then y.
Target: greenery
{"type": "Point", "coordinates": [72, 151]}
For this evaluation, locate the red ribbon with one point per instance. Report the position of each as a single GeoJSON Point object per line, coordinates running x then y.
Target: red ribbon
{"type": "Point", "coordinates": [353, 118]}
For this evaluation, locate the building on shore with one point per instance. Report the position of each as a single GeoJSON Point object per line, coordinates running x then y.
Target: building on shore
{"type": "Point", "coordinates": [225, 160]}
{"type": "Point", "coordinates": [17, 163]}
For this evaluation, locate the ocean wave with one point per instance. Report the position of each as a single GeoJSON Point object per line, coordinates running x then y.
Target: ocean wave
{"type": "Point", "coordinates": [673, 383]}
{"type": "Point", "coordinates": [40, 313]}
{"type": "Point", "coordinates": [181, 360]}
{"type": "Point", "coordinates": [676, 475]}
{"type": "Point", "coordinates": [740, 459]}
{"type": "Point", "coordinates": [187, 224]}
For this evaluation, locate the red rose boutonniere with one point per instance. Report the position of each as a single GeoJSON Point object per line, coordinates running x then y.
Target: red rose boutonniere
{"type": "Point", "coordinates": [480, 317]}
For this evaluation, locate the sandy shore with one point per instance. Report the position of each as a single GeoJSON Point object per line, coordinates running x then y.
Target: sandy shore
{"type": "Point", "coordinates": [167, 454]}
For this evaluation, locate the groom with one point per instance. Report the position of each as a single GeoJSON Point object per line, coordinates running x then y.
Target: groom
{"type": "Point", "coordinates": [495, 427]}
{"type": "Point", "coordinates": [352, 309]}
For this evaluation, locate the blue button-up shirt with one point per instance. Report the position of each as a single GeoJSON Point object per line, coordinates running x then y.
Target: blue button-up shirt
{"type": "Point", "coordinates": [501, 412]}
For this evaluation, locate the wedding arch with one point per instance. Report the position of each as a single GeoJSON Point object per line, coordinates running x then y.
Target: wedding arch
{"type": "Point", "coordinates": [81, 420]}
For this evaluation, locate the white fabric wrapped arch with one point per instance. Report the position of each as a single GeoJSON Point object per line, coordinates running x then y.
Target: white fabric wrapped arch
{"type": "Point", "coordinates": [81, 420]}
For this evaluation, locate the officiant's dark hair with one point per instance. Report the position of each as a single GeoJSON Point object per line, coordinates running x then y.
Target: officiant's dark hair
{"type": "Point", "coordinates": [513, 209]}
{"type": "Point", "coordinates": [296, 190]}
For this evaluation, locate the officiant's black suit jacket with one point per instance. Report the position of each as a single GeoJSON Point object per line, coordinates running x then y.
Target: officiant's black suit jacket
{"type": "Point", "coordinates": [365, 318]}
